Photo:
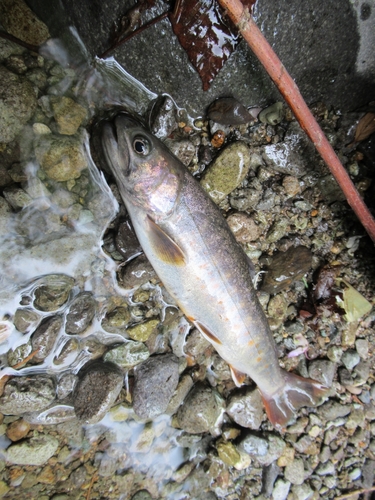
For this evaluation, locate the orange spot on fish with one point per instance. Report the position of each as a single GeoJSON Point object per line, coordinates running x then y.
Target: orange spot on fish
{"type": "Point", "coordinates": [250, 343]}
{"type": "Point", "coordinates": [259, 358]}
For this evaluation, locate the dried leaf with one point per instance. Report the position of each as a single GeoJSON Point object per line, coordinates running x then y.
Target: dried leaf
{"type": "Point", "coordinates": [365, 127]}
{"type": "Point", "coordinates": [354, 303]}
{"type": "Point", "coordinates": [206, 36]}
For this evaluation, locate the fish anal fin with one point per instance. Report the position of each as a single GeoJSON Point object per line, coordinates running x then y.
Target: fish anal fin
{"type": "Point", "coordinates": [207, 333]}
{"type": "Point", "coordinates": [296, 393]}
{"type": "Point", "coordinates": [164, 247]}
{"type": "Point", "coordinates": [237, 376]}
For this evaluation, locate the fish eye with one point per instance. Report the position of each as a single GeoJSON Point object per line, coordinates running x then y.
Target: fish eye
{"type": "Point", "coordinates": [141, 146]}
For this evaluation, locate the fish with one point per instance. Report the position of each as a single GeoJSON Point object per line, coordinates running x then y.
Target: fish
{"type": "Point", "coordinates": [195, 255]}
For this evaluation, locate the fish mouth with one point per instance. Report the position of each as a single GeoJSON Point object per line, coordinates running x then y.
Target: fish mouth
{"type": "Point", "coordinates": [115, 144]}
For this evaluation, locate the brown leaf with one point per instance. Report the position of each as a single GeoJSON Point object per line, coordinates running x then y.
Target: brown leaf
{"type": "Point", "coordinates": [206, 36]}
{"type": "Point", "coordinates": [365, 127]}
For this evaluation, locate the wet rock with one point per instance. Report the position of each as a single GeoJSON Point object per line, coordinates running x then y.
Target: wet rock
{"type": "Point", "coordinates": [19, 20]}
{"type": "Point", "coordinates": [18, 354]}
{"type": "Point", "coordinates": [227, 171]}
{"type": "Point", "coordinates": [345, 377]}
{"type": "Point", "coordinates": [98, 386]}
{"type": "Point", "coordinates": [291, 185]}
{"type": "Point", "coordinates": [142, 495]}
{"type": "Point", "coordinates": [163, 117]}
{"type": "Point", "coordinates": [137, 273]}
{"type": "Point", "coordinates": [81, 313]}
{"type": "Point", "coordinates": [182, 390]}
{"type": "Point", "coordinates": [155, 381]}
{"type": "Point", "coordinates": [128, 354]}
{"type": "Point", "coordinates": [246, 409]}
{"type": "Point", "coordinates": [302, 492]}
{"type": "Point", "coordinates": [243, 227]}
{"type": "Point", "coordinates": [62, 158]}
{"type": "Point", "coordinates": [53, 292]}
{"type": "Point", "coordinates": [17, 104]}
{"type": "Point", "coordinates": [35, 451]}
{"type": "Point", "coordinates": [254, 445]}
{"type": "Point", "coordinates": [201, 412]}
{"type": "Point", "coordinates": [245, 199]}
{"type": "Point", "coordinates": [17, 198]}
{"type": "Point", "coordinates": [25, 319]}
{"type": "Point", "coordinates": [68, 114]}
{"type": "Point", "coordinates": [142, 332]}
{"type": "Point", "coordinates": [228, 453]}
{"type": "Point", "coordinates": [228, 111]}
{"type": "Point", "coordinates": [350, 358]}
{"type": "Point", "coordinates": [65, 385]}
{"type": "Point", "coordinates": [281, 490]}
{"type": "Point", "coordinates": [273, 114]}
{"type": "Point", "coordinates": [269, 476]}
{"type": "Point", "coordinates": [18, 430]}
{"type": "Point", "coordinates": [126, 241]}
{"type": "Point", "coordinates": [67, 353]}
{"type": "Point", "coordinates": [294, 156]}
{"type": "Point", "coordinates": [323, 371]}
{"type": "Point", "coordinates": [329, 189]}
{"type": "Point", "coordinates": [93, 348]}
{"type": "Point", "coordinates": [116, 321]}
{"type": "Point", "coordinates": [44, 337]}
{"type": "Point", "coordinates": [286, 268]}
{"type": "Point", "coordinates": [184, 150]}
{"type": "Point", "coordinates": [25, 394]}
{"type": "Point", "coordinates": [362, 347]}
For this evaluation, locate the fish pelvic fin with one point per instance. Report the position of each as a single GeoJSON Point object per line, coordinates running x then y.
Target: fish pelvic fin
{"type": "Point", "coordinates": [165, 248]}
{"type": "Point", "coordinates": [296, 393]}
{"type": "Point", "coordinates": [237, 376]}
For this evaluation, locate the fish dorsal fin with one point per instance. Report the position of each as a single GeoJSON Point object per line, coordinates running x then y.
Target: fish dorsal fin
{"type": "Point", "coordinates": [164, 247]}
{"type": "Point", "coordinates": [207, 333]}
{"type": "Point", "coordinates": [237, 376]}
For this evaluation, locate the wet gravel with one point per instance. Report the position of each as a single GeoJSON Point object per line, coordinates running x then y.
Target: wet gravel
{"type": "Point", "coordinates": [107, 390]}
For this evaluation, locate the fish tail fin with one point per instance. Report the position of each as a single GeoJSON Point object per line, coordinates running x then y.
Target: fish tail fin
{"type": "Point", "coordinates": [296, 392]}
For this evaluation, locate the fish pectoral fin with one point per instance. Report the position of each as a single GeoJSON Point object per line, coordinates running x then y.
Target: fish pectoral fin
{"type": "Point", "coordinates": [165, 248]}
{"type": "Point", "coordinates": [237, 376]}
{"type": "Point", "coordinates": [207, 333]}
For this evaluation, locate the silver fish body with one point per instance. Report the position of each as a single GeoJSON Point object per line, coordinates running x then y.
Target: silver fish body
{"type": "Point", "coordinates": [196, 256]}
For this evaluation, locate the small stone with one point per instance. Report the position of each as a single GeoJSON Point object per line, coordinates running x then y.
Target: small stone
{"type": "Point", "coordinates": [323, 371]}
{"type": "Point", "coordinates": [183, 149]}
{"type": "Point", "coordinates": [68, 114]}
{"type": "Point", "coordinates": [182, 390]}
{"type": "Point", "coordinates": [227, 171]}
{"type": "Point", "coordinates": [17, 198]}
{"type": "Point", "coordinates": [117, 320]}
{"type": "Point", "coordinates": [325, 469]}
{"type": "Point", "coordinates": [201, 412]}
{"type": "Point", "coordinates": [287, 457]}
{"type": "Point", "coordinates": [136, 273]}
{"type": "Point", "coordinates": [291, 185]}
{"type": "Point", "coordinates": [53, 293]}
{"type": "Point", "coordinates": [18, 430]}
{"type": "Point", "coordinates": [229, 111]}
{"type": "Point", "coordinates": [281, 490]}
{"type": "Point", "coordinates": [35, 451]}
{"type": "Point", "coordinates": [334, 353]}
{"type": "Point", "coordinates": [350, 358]}
{"type": "Point", "coordinates": [4, 488]}
{"type": "Point", "coordinates": [302, 492]}
{"type": "Point", "coordinates": [155, 381]}
{"type": "Point", "coordinates": [45, 336]}
{"type": "Point", "coordinates": [295, 472]}
{"type": "Point", "coordinates": [246, 409]}
{"type": "Point", "coordinates": [26, 394]}
{"type": "Point", "coordinates": [243, 227]}
{"type": "Point", "coordinates": [81, 313]}
{"type": "Point", "coordinates": [362, 347]}
{"type": "Point", "coordinates": [228, 453]}
{"type": "Point", "coordinates": [97, 389]}
{"type": "Point", "coordinates": [142, 332]}
{"type": "Point", "coordinates": [25, 319]}
{"type": "Point", "coordinates": [273, 114]}
{"type": "Point", "coordinates": [128, 354]}
{"type": "Point", "coordinates": [332, 410]}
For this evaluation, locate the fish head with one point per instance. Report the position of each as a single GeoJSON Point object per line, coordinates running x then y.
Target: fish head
{"type": "Point", "coordinates": [146, 172]}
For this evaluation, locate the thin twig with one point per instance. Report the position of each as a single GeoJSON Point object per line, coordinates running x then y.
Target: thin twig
{"type": "Point", "coordinates": [289, 90]}
{"type": "Point", "coordinates": [133, 33]}
{"type": "Point", "coordinates": [14, 39]}
{"type": "Point", "coordinates": [354, 493]}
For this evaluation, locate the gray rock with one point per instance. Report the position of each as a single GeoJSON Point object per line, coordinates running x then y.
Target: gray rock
{"type": "Point", "coordinates": [17, 198]}
{"type": "Point", "coordinates": [350, 358]}
{"type": "Point", "coordinates": [128, 354]}
{"type": "Point", "coordinates": [362, 347]}
{"type": "Point", "coordinates": [332, 410]}
{"type": "Point", "coordinates": [201, 412]}
{"type": "Point", "coordinates": [281, 490]}
{"type": "Point", "coordinates": [163, 117]}
{"type": "Point", "coordinates": [44, 337]}
{"type": "Point", "coordinates": [25, 318]}
{"type": "Point", "coordinates": [97, 389]}
{"type": "Point", "coordinates": [34, 451]}
{"type": "Point", "coordinates": [26, 394]}
{"type": "Point", "coordinates": [17, 104]}
{"type": "Point", "coordinates": [81, 313]}
{"type": "Point", "coordinates": [136, 273]}
{"type": "Point", "coordinates": [323, 371]}
{"type": "Point", "coordinates": [246, 408]}
{"type": "Point", "coordinates": [325, 469]}
{"type": "Point", "coordinates": [302, 492]}
{"type": "Point", "coordinates": [269, 476]}
{"type": "Point", "coordinates": [65, 385]}
{"type": "Point", "coordinates": [295, 471]}
{"type": "Point", "coordinates": [142, 495]}
{"type": "Point", "coordinates": [126, 241]}
{"type": "Point", "coordinates": [155, 381]}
